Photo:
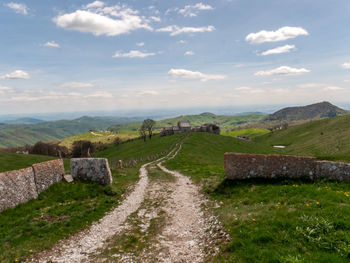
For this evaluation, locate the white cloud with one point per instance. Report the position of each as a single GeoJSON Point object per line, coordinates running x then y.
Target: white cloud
{"type": "Point", "coordinates": [77, 85]}
{"type": "Point", "coordinates": [140, 44]}
{"type": "Point", "coordinates": [189, 53]}
{"type": "Point", "coordinates": [183, 73]}
{"type": "Point", "coordinates": [101, 21]}
{"type": "Point", "coordinates": [95, 4]}
{"type": "Point", "coordinates": [281, 34]}
{"type": "Point", "coordinates": [52, 44]}
{"type": "Point", "coordinates": [182, 41]}
{"type": "Point", "coordinates": [284, 70]}
{"type": "Point", "coordinates": [192, 10]}
{"type": "Point", "coordinates": [346, 65]}
{"type": "Point", "coordinates": [4, 89]}
{"type": "Point", "coordinates": [132, 54]}
{"type": "Point", "coordinates": [243, 88]}
{"type": "Point", "coordinates": [155, 18]}
{"type": "Point", "coordinates": [332, 88]}
{"type": "Point", "coordinates": [279, 50]}
{"type": "Point", "coordinates": [18, 8]}
{"type": "Point", "coordinates": [17, 74]}
{"type": "Point", "coordinates": [148, 92]}
{"type": "Point", "coordinates": [99, 94]}
{"type": "Point", "coordinates": [176, 30]}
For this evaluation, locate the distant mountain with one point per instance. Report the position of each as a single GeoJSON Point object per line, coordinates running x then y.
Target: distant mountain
{"type": "Point", "coordinates": [20, 134]}
{"type": "Point", "coordinates": [313, 111]}
{"type": "Point", "coordinates": [25, 120]}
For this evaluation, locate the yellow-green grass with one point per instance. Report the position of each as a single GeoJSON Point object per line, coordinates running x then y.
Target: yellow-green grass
{"type": "Point", "coordinates": [250, 133]}
{"type": "Point", "coordinates": [105, 137]}
{"type": "Point", "coordinates": [269, 220]}
{"type": "Point", "coordinates": [65, 209]}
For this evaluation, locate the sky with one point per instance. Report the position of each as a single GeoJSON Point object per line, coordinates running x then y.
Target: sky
{"type": "Point", "coordinates": [63, 55]}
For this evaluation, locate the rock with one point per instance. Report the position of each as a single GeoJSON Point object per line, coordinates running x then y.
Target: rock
{"type": "Point", "coordinates": [92, 169]}
{"type": "Point", "coordinates": [68, 178]}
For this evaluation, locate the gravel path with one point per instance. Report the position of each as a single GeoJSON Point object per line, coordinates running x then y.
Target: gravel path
{"type": "Point", "coordinates": [184, 238]}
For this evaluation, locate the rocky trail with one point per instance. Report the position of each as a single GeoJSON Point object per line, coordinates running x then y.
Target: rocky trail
{"type": "Point", "coordinates": [164, 219]}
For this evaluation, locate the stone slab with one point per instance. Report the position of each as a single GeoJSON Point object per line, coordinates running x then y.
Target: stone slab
{"type": "Point", "coordinates": [68, 178]}
{"type": "Point", "coordinates": [91, 169]}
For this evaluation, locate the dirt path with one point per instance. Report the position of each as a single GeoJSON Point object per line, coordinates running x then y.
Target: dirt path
{"type": "Point", "coordinates": [162, 220]}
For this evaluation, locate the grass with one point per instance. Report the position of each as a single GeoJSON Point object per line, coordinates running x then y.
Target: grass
{"type": "Point", "coordinates": [269, 221]}
{"type": "Point", "coordinates": [65, 209]}
{"type": "Point", "coordinates": [105, 137]}
{"type": "Point", "coordinates": [12, 161]}
{"type": "Point", "coordinates": [250, 133]}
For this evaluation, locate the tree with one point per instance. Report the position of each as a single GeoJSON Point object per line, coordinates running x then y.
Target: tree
{"type": "Point", "coordinates": [143, 131]}
{"type": "Point", "coordinates": [149, 124]}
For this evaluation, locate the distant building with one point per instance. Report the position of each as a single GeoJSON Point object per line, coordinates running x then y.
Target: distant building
{"type": "Point", "coordinates": [183, 126]}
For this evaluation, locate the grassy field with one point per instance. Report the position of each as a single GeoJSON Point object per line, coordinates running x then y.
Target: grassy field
{"type": "Point", "coordinates": [105, 137]}
{"type": "Point", "coordinates": [250, 133]}
{"type": "Point", "coordinates": [12, 161]}
{"type": "Point", "coordinates": [326, 139]}
{"type": "Point", "coordinates": [269, 221]}
{"type": "Point", "coordinates": [66, 208]}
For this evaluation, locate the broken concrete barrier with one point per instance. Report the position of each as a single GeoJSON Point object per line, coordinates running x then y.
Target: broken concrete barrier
{"type": "Point", "coordinates": [91, 169]}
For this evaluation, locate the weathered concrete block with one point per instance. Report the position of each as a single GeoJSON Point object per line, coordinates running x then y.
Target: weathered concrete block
{"type": "Point", "coordinates": [48, 173]}
{"type": "Point", "coordinates": [93, 169]}
{"type": "Point", "coordinates": [17, 187]}
{"type": "Point", "coordinates": [243, 166]}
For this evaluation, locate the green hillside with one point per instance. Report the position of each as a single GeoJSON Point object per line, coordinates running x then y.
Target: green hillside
{"type": "Point", "coordinates": [313, 111]}
{"type": "Point", "coordinates": [12, 135]}
{"type": "Point", "coordinates": [224, 121]}
{"type": "Point", "coordinates": [327, 139]}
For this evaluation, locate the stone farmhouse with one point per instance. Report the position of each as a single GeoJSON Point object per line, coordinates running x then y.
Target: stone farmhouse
{"type": "Point", "coordinates": [183, 126]}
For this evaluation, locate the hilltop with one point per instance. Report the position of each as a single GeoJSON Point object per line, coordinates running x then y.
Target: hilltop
{"type": "Point", "coordinates": [314, 111]}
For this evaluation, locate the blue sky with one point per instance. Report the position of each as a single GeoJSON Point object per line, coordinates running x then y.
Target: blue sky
{"type": "Point", "coordinates": [108, 55]}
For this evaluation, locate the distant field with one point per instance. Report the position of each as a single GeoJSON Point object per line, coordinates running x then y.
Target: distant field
{"type": "Point", "coordinates": [250, 133]}
{"type": "Point", "coordinates": [106, 137]}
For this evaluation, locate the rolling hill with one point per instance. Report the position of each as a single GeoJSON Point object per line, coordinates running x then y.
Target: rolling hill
{"type": "Point", "coordinates": [313, 111]}
{"type": "Point", "coordinates": [12, 135]}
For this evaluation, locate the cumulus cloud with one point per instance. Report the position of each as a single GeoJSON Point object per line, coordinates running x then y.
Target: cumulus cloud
{"type": "Point", "coordinates": [18, 8]}
{"type": "Point", "coordinates": [281, 34]}
{"type": "Point", "coordinates": [176, 30]}
{"type": "Point", "coordinates": [243, 88]}
{"type": "Point", "coordinates": [132, 54]}
{"type": "Point", "coordinates": [109, 21]}
{"type": "Point", "coordinates": [95, 4]}
{"type": "Point", "coordinates": [17, 74]}
{"type": "Point", "coordinates": [189, 53]}
{"type": "Point", "coordinates": [4, 89]}
{"type": "Point", "coordinates": [77, 85]}
{"type": "Point", "coordinates": [279, 50]}
{"type": "Point", "coordinates": [140, 44]}
{"type": "Point", "coordinates": [192, 10]}
{"type": "Point", "coordinates": [183, 73]}
{"type": "Point", "coordinates": [346, 65]}
{"type": "Point", "coordinates": [52, 44]}
{"type": "Point", "coordinates": [155, 18]}
{"type": "Point", "coordinates": [99, 94]}
{"type": "Point", "coordinates": [284, 70]}
{"type": "Point", "coordinates": [182, 41]}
